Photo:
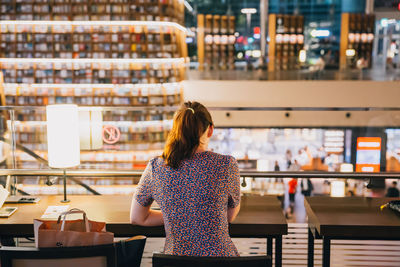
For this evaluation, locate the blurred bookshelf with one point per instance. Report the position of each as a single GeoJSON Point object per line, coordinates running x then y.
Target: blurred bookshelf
{"type": "Point", "coordinates": [356, 40]}
{"type": "Point", "coordinates": [90, 39]}
{"type": "Point", "coordinates": [118, 53]}
{"type": "Point", "coordinates": [286, 34]}
{"type": "Point", "coordinates": [124, 95]}
{"type": "Point", "coordinates": [216, 41]}
{"type": "Point", "coordinates": [120, 10]}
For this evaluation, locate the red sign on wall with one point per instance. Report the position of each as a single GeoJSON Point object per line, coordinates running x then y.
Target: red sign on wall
{"type": "Point", "coordinates": [111, 134]}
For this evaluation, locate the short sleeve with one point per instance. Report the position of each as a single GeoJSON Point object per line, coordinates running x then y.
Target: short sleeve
{"type": "Point", "coordinates": [234, 183]}
{"type": "Point", "coordinates": [143, 192]}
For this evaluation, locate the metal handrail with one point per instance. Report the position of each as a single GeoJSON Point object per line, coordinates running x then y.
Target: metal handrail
{"type": "Point", "coordinates": [252, 174]}
{"type": "Point", "coordinates": [216, 108]}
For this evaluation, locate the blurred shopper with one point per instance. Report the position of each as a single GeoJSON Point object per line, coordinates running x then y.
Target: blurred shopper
{"type": "Point", "coordinates": [318, 68]}
{"type": "Point", "coordinates": [277, 168]}
{"type": "Point", "coordinates": [295, 166]}
{"type": "Point", "coordinates": [393, 191]}
{"type": "Point", "coordinates": [198, 191]}
{"type": "Point", "coordinates": [362, 65]}
{"type": "Point", "coordinates": [303, 156]}
{"type": "Point", "coordinates": [292, 193]}
{"type": "Point", "coordinates": [326, 187]}
{"type": "Point", "coordinates": [306, 187]}
{"type": "Point", "coordinates": [288, 157]}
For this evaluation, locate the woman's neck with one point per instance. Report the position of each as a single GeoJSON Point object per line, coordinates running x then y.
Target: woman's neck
{"type": "Point", "coordinates": [201, 148]}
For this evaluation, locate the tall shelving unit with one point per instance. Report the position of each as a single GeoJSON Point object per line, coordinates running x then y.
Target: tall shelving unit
{"type": "Point", "coordinates": [118, 53]}
{"type": "Point", "coordinates": [286, 33]}
{"type": "Point", "coordinates": [92, 10]}
{"type": "Point", "coordinates": [356, 39]}
{"type": "Point", "coordinates": [216, 41]}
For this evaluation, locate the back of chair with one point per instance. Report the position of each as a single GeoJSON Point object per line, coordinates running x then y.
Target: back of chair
{"type": "Point", "coordinates": [163, 260]}
{"type": "Point", "coordinates": [93, 256]}
{"type": "Point", "coordinates": [129, 252]}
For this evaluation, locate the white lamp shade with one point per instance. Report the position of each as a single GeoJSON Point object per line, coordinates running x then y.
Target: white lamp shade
{"type": "Point", "coordinates": [63, 136]}
{"type": "Point", "coordinates": [90, 128]}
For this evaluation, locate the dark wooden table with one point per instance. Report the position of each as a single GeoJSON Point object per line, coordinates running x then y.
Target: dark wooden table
{"type": "Point", "coordinates": [353, 218]}
{"type": "Point", "coordinates": [259, 217]}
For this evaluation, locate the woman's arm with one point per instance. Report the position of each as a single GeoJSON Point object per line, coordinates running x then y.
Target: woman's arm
{"type": "Point", "coordinates": [141, 213]}
{"type": "Point", "coordinates": [144, 216]}
{"type": "Point", "coordinates": [232, 213]}
{"type": "Point", "coordinates": [234, 190]}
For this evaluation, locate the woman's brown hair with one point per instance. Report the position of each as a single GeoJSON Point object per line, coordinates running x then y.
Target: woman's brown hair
{"type": "Point", "coordinates": [190, 122]}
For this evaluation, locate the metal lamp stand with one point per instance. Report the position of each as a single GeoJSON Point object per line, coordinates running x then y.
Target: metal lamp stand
{"type": "Point", "coordinates": [65, 200]}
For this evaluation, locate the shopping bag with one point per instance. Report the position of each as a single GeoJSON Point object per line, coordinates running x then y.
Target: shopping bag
{"type": "Point", "coordinates": [64, 233]}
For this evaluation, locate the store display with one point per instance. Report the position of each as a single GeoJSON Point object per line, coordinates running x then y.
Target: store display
{"type": "Point", "coordinates": [216, 41]}
{"type": "Point", "coordinates": [270, 148]}
{"type": "Point", "coordinates": [118, 71]}
{"type": "Point", "coordinates": [90, 39]}
{"type": "Point", "coordinates": [356, 40]}
{"type": "Point", "coordinates": [84, 52]}
{"type": "Point", "coordinates": [124, 95]}
{"type": "Point", "coordinates": [286, 41]}
{"type": "Point", "coordinates": [120, 10]}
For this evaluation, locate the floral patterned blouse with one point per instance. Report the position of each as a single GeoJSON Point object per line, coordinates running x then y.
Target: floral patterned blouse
{"type": "Point", "coordinates": [194, 199]}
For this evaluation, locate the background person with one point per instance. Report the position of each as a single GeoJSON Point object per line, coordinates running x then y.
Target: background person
{"type": "Point", "coordinates": [292, 193]}
{"type": "Point", "coordinates": [288, 157]}
{"type": "Point", "coordinates": [393, 191]}
{"type": "Point", "coordinates": [198, 191]}
{"type": "Point", "coordinates": [306, 187]}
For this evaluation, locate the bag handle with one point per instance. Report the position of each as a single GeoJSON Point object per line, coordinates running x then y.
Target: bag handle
{"type": "Point", "coordinates": [73, 211]}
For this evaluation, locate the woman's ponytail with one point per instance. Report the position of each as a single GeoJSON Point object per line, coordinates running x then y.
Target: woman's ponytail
{"type": "Point", "coordinates": [189, 124]}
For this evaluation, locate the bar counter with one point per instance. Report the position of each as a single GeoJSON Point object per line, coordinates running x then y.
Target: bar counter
{"type": "Point", "coordinates": [352, 218]}
{"type": "Point", "coordinates": [259, 217]}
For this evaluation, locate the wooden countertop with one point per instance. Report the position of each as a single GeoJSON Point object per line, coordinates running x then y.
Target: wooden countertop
{"type": "Point", "coordinates": [352, 217]}
{"type": "Point", "coordinates": [259, 216]}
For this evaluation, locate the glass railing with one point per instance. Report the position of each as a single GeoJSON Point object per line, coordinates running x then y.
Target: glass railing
{"type": "Point", "coordinates": [270, 145]}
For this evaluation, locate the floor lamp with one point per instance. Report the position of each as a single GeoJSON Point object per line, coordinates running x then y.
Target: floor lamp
{"type": "Point", "coordinates": [63, 139]}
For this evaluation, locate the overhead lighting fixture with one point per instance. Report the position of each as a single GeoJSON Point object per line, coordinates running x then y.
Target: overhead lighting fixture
{"type": "Point", "coordinates": [161, 24]}
{"type": "Point", "coordinates": [256, 53]}
{"type": "Point", "coordinates": [350, 52]}
{"type": "Point", "coordinates": [320, 33]}
{"type": "Point", "coordinates": [248, 10]}
{"type": "Point", "coordinates": [302, 56]}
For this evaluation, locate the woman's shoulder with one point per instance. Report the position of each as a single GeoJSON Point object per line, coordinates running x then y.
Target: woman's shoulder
{"type": "Point", "coordinates": [156, 162]}
{"type": "Point", "coordinates": [221, 158]}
